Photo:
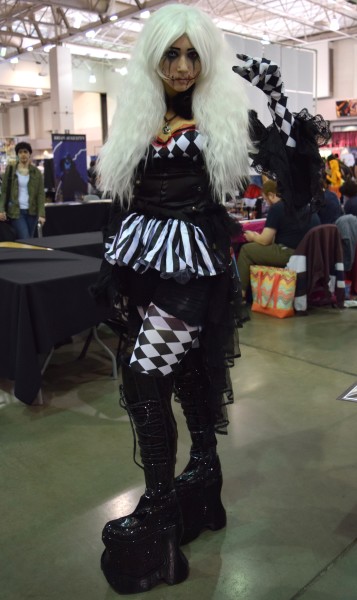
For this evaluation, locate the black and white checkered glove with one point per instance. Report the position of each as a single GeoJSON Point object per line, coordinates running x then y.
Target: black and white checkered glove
{"type": "Point", "coordinates": [266, 75]}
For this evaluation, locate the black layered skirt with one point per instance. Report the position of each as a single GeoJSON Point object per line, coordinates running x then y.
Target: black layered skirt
{"type": "Point", "coordinates": [180, 260]}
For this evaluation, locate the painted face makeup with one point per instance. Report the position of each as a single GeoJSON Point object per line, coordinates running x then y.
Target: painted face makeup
{"type": "Point", "coordinates": [180, 66]}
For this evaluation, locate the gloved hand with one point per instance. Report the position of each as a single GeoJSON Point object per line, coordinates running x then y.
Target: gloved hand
{"type": "Point", "coordinates": [265, 75]}
{"type": "Point", "coordinates": [260, 72]}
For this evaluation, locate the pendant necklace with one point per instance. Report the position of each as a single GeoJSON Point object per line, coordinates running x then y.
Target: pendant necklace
{"type": "Point", "coordinates": [166, 128]}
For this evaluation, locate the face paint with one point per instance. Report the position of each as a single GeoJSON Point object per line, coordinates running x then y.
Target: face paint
{"type": "Point", "coordinates": [180, 66]}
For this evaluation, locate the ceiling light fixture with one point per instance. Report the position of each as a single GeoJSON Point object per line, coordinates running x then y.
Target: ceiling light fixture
{"type": "Point", "coordinates": [113, 18]}
{"type": "Point", "coordinates": [334, 24]}
{"type": "Point", "coordinates": [91, 34]}
{"type": "Point", "coordinates": [29, 49]}
{"type": "Point", "coordinates": [121, 70]}
{"type": "Point", "coordinates": [16, 98]}
{"type": "Point", "coordinates": [265, 40]}
{"type": "Point", "coordinates": [14, 60]}
{"type": "Point", "coordinates": [3, 52]}
{"type": "Point", "coordinates": [39, 92]}
{"type": "Point", "coordinates": [92, 78]}
{"type": "Point", "coordinates": [77, 21]}
{"type": "Point", "coordinates": [145, 14]}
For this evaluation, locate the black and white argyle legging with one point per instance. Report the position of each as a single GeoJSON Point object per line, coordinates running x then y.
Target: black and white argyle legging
{"type": "Point", "coordinates": [162, 342]}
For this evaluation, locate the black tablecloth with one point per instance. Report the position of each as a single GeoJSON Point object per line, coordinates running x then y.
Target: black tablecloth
{"type": "Point", "coordinates": [44, 299]}
{"type": "Point", "coordinates": [88, 244]}
{"type": "Point", "coordinates": [76, 217]}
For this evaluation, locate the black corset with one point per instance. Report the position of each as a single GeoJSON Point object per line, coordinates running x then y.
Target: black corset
{"type": "Point", "coordinates": [172, 186]}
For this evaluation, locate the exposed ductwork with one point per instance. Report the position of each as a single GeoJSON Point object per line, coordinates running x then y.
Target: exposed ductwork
{"type": "Point", "coordinates": [99, 7]}
{"type": "Point", "coordinates": [8, 39]}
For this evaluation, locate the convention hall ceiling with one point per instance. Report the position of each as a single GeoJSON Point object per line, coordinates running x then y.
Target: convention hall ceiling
{"type": "Point", "coordinates": [107, 29]}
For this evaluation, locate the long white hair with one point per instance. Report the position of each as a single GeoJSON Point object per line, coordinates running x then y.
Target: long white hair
{"type": "Point", "coordinates": [219, 105]}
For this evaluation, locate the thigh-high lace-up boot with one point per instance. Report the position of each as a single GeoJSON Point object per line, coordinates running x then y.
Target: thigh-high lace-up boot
{"type": "Point", "coordinates": [199, 486]}
{"type": "Point", "coordinates": [142, 549]}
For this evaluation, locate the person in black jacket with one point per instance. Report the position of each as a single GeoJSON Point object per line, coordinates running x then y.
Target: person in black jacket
{"type": "Point", "coordinates": [330, 209]}
{"type": "Point", "coordinates": [349, 193]}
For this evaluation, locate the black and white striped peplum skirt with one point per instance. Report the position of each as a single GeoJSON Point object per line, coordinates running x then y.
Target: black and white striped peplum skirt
{"type": "Point", "coordinates": [176, 249]}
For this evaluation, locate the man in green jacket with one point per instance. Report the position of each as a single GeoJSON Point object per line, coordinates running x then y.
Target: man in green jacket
{"type": "Point", "coordinates": [22, 194]}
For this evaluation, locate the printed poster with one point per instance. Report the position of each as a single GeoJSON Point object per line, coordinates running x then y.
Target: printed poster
{"type": "Point", "coordinates": [70, 167]}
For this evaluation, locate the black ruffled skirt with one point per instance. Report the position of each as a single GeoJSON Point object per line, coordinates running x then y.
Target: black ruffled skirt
{"type": "Point", "coordinates": [207, 295]}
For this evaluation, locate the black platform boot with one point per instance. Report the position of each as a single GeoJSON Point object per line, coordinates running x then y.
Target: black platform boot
{"type": "Point", "coordinates": [142, 549]}
{"type": "Point", "coordinates": [199, 486]}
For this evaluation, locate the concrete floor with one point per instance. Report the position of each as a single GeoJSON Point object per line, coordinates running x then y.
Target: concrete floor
{"type": "Point", "coordinates": [290, 476]}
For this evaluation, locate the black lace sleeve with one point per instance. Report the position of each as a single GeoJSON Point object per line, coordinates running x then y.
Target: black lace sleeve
{"type": "Point", "coordinates": [288, 150]}
{"type": "Point", "coordinates": [297, 169]}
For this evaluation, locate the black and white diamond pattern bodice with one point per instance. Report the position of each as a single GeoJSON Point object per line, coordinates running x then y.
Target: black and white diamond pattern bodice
{"type": "Point", "coordinates": [171, 211]}
{"type": "Point", "coordinates": [185, 142]}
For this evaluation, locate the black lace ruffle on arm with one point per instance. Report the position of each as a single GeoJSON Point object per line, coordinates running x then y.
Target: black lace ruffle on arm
{"type": "Point", "coordinates": [297, 170]}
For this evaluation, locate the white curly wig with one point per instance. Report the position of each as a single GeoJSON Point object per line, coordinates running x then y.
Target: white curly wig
{"type": "Point", "coordinates": [219, 105]}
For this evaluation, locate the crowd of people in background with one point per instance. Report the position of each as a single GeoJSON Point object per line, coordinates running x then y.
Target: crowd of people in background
{"type": "Point", "coordinates": [340, 188]}
{"type": "Point", "coordinates": [338, 181]}
{"type": "Point", "coordinates": [283, 232]}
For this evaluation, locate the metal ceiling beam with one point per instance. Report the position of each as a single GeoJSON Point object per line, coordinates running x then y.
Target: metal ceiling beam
{"type": "Point", "coordinates": [129, 11]}
{"type": "Point", "coordinates": [8, 39]}
{"type": "Point", "coordinates": [32, 17]}
{"type": "Point", "coordinates": [336, 10]}
{"type": "Point", "coordinates": [282, 15]}
{"type": "Point", "coordinates": [16, 10]}
{"type": "Point", "coordinates": [99, 7]}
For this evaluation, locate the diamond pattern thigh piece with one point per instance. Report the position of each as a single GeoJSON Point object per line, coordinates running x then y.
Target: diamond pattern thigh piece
{"type": "Point", "coordinates": [162, 342]}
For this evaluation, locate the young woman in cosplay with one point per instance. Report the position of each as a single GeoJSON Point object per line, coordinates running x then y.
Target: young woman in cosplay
{"type": "Point", "coordinates": [179, 142]}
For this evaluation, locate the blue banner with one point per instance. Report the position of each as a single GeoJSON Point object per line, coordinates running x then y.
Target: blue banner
{"type": "Point", "coordinates": [70, 166]}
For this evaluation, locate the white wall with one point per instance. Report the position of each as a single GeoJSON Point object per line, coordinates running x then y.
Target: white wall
{"type": "Point", "coordinates": [87, 119]}
{"type": "Point", "coordinates": [323, 74]}
{"type": "Point", "coordinates": [24, 74]}
{"type": "Point", "coordinates": [297, 68]}
{"type": "Point", "coordinates": [344, 83]}
{"type": "Point", "coordinates": [16, 121]}
{"type": "Point", "coordinates": [345, 68]}
{"type": "Point", "coordinates": [4, 124]}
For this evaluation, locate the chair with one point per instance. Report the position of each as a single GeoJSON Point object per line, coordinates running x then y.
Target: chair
{"type": "Point", "coordinates": [318, 262]}
{"type": "Point", "coordinates": [118, 325]}
{"type": "Point", "coordinates": [352, 275]}
{"type": "Point", "coordinates": [347, 226]}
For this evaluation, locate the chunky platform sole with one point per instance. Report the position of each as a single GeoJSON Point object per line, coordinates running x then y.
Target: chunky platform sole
{"type": "Point", "coordinates": [201, 508]}
{"type": "Point", "coordinates": [134, 566]}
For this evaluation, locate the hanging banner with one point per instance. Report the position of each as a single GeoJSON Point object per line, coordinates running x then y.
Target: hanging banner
{"type": "Point", "coordinates": [70, 166]}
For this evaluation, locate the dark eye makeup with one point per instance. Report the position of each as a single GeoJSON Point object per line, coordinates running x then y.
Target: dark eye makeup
{"type": "Point", "coordinates": [193, 54]}
{"type": "Point", "coordinates": [173, 53]}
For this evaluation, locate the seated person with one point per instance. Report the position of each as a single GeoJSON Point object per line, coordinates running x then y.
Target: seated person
{"type": "Point", "coordinates": [331, 208]}
{"type": "Point", "coordinates": [349, 193]}
{"type": "Point", "coordinates": [282, 233]}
